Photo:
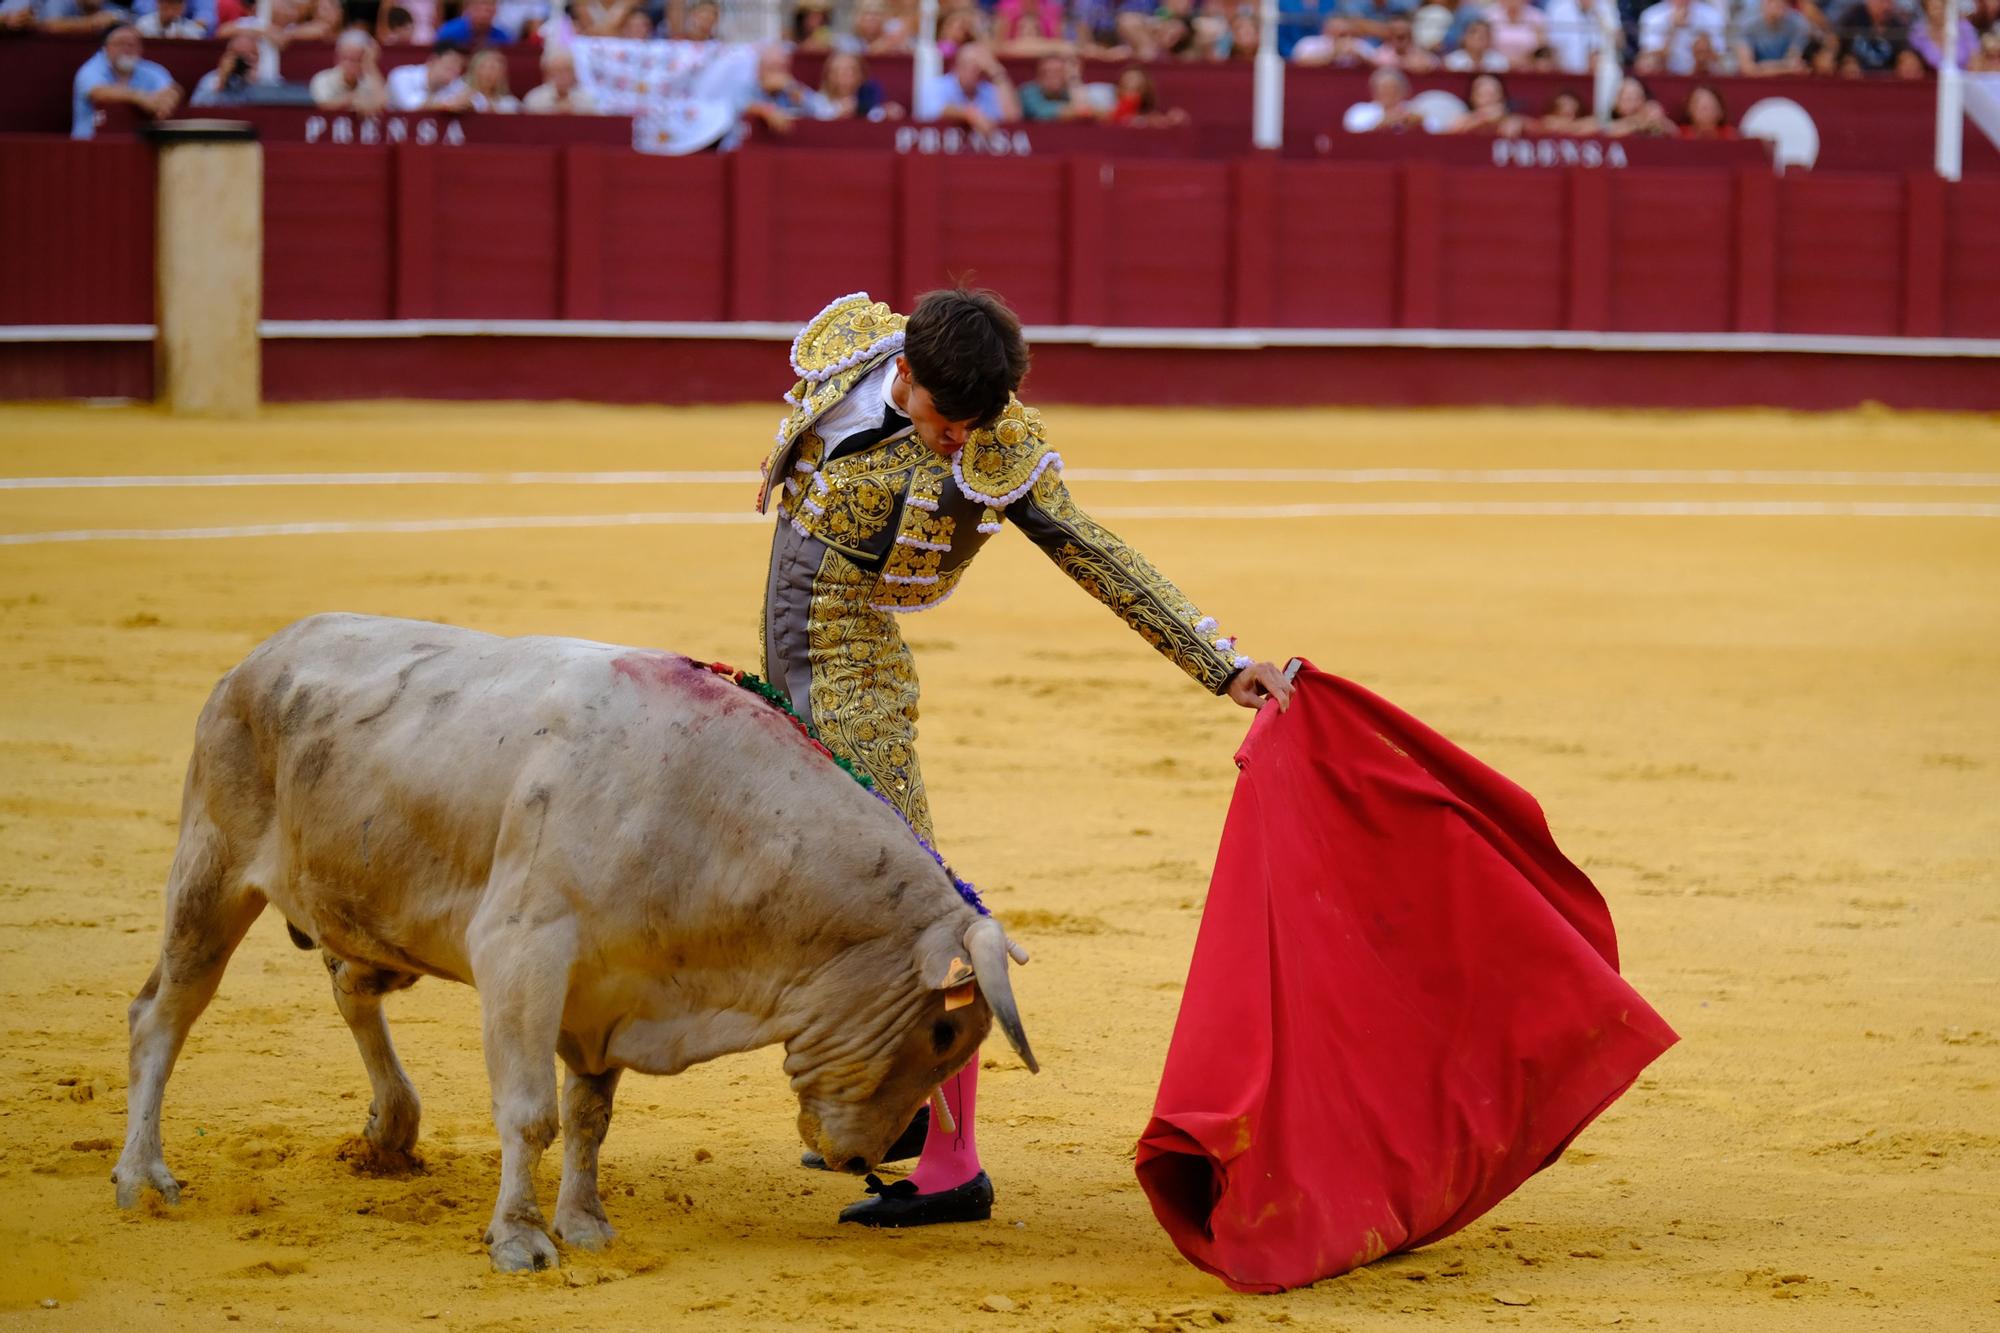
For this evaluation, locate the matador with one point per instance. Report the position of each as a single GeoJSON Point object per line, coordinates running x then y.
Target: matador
{"type": "Point", "coordinates": [905, 450]}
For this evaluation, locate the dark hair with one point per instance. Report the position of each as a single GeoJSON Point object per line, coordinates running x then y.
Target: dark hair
{"type": "Point", "coordinates": [964, 347]}
{"type": "Point", "coordinates": [399, 17]}
{"type": "Point", "coordinates": [1687, 107]}
{"type": "Point", "coordinates": [448, 49]}
{"type": "Point", "coordinates": [1560, 94]}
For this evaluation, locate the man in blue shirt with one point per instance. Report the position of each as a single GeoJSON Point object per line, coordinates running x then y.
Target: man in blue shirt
{"type": "Point", "coordinates": [474, 27]}
{"type": "Point", "coordinates": [116, 74]}
{"type": "Point", "coordinates": [976, 93]}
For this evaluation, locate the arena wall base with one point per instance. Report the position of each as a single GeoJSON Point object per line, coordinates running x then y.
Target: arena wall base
{"type": "Point", "coordinates": [314, 361]}
{"type": "Point", "coordinates": [1222, 371]}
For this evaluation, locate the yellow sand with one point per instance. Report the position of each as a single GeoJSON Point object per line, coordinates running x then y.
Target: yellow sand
{"type": "Point", "coordinates": [1775, 743]}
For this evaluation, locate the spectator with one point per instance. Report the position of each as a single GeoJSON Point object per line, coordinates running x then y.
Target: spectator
{"type": "Point", "coordinates": [1565, 115]}
{"type": "Point", "coordinates": [780, 99]}
{"type": "Point", "coordinates": [1244, 35]}
{"type": "Point", "coordinates": [976, 92]}
{"type": "Point", "coordinates": [1634, 112]}
{"type": "Point", "coordinates": [1927, 37]}
{"type": "Point", "coordinates": [703, 19]}
{"type": "Point", "coordinates": [1388, 106]}
{"type": "Point", "coordinates": [1519, 30]}
{"type": "Point", "coordinates": [1576, 34]}
{"type": "Point", "coordinates": [812, 25]}
{"type": "Point", "coordinates": [557, 93]}
{"type": "Point", "coordinates": [1475, 53]}
{"type": "Point", "coordinates": [523, 18]}
{"type": "Point", "coordinates": [1488, 111]}
{"type": "Point", "coordinates": [1138, 103]}
{"type": "Point", "coordinates": [1773, 40]}
{"type": "Point", "coordinates": [234, 77]}
{"type": "Point", "coordinates": [1056, 93]}
{"type": "Point", "coordinates": [436, 85]}
{"type": "Point", "coordinates": [1338, 45]}
{"type": "Point", "coordinates": [1667, 31]}
{"type": "Point", "coordinates": [1710, 60]}
{"type": "Point", "coordinates": [475, 26]}
{"type": "Point", "coordinates": [80, 17]}
{"type": "Point", "coordinates": [957, 29]}
{"type": "Point", "coordinates": [1703, 116]}
{"type": "Point", "coordinates": [117, 75]}
{"type": "Point", "coordinates": [170, 19]}
{"type": "Point", "coordinates": [1823, 57]}
{"type": "Point", "coordinates": [290, 21]}
{"type": "Point", "coordinates": [871, 35]}
{"type": "Point", "coordinates": [1398, 49]}
{"type": "Point", "coordinates": [637, 26]}
{"type": "Point", "coordinates": [600, 18]}
{"type": "Point", "coordinates": [1030, 27]}
{"type": "Point", "coordinates": [846, 91]}
{"type": "Point", "coordinates": [1910, 65]}
{"type": "Point", "coordinates": [354, 82]}
{"type": "Point", "coordinates": [1872, 32]}
{"type": "Point", "coordinates": [1371, 18]}
{"type": "Point", "coordinates": [399, 26]}
{"type": "Point", "coordinates": [1439, 24]}
{"type": "Point", "coordinates": [1988, 59]}
{"type": "Point", "coordinates": [486, 81]}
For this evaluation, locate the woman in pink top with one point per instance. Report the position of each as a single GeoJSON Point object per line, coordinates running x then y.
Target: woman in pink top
{"type": "Point", "coordinates": [1519, 30]}
{"type": "Point", "coordinates": [1026, 24]}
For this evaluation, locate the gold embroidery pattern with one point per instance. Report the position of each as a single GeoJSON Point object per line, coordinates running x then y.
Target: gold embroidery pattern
{"type": "Point", "coordinates": [843, 334]}
{"type": "Point", "coordinates": [917, 596]}
{"type": "Point", "coordinates": [864, 687]}
{"type": "Point", "coordinates": [1118, 576]}
{"type": "Point", "coordinates": [847, 503]}
{"type": "Point", "coordinates": [998, 462]}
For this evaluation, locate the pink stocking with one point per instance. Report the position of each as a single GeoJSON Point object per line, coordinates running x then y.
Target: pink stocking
{"type": "Point", "coordinates": [951, 1159]}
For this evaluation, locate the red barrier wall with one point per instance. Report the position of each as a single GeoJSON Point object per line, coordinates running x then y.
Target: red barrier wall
{"type": "Point", "coordinates": [584, 232]}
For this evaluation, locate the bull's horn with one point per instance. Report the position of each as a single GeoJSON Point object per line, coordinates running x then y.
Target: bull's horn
{"type": "Point", "coordinates": [987, 943]}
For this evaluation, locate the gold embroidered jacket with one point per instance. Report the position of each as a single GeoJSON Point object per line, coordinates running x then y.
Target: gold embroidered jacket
{"type": "Point", "coordinates": [916, 519]}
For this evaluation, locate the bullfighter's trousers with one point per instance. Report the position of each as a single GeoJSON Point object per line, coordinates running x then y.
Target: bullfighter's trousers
{"type": "Point", "coordinates": [843, 666]}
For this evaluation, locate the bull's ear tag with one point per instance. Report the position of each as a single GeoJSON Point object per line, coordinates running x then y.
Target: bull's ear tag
{"type": "Point", "coordinates": [958, 996]}
{"type": "Point", "coordinates": [956, 975]}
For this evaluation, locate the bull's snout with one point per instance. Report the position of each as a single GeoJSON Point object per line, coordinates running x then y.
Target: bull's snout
{"type": "Point", "coordinates": [856, 1166]}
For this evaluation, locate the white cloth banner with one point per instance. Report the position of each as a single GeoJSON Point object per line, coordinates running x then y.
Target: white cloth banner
{"type": "Point", "coordinates": [682, 96]}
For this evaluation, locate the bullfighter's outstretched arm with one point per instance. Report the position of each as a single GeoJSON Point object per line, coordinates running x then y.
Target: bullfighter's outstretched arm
{"type": "Point", "coordinates": [1124, 580]}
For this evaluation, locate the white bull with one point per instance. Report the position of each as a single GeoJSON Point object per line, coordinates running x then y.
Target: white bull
{"type": "Point", "coordinates": [639, 864]}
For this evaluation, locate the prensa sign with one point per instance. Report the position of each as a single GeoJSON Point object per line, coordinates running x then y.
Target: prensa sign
{"type": "Point", "coordinates": [342, 128]}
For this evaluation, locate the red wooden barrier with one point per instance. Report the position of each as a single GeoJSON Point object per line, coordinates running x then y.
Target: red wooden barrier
{"type": "Point", "coordinates": [644, 237]}
{"type": "Point", "coordinates": [1971, 278]}
{"type": "Point", "coordinates": [327, 224]}
{"type": "Point", "coordinates": [76, 233]}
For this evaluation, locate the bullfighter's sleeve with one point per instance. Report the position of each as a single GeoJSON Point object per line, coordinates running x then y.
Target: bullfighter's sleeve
{"type": "Point", "coordinates": [1124, 580]}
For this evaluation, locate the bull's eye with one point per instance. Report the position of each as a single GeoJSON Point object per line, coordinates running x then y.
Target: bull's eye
{"type": "Point", "coordinates": [943, 1034]}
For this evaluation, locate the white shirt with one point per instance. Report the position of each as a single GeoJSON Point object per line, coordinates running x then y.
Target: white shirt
{"type": "Point", "coordinates": [865, 407]}
{"type": "Point", "coordinates": [1574, 34]}
{"type": "Point", "coordinates": [409, 88]}
{"type": "Point", "coordinates": [1658, 19]}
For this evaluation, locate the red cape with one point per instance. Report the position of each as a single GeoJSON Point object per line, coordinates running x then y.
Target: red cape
{"type": "Point", "coordinates": [1403, 1003]}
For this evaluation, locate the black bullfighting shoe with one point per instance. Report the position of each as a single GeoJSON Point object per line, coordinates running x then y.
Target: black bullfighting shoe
{"type": "Point", "coordinates": [899, 1205]}
{"type": "Point", "coordinates": [902, 1150]}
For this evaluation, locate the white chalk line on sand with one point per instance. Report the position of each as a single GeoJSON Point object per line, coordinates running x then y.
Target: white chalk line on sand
{"type": "Point", "coordinates": [1321, 476]}
{"type": "Point", "coordinates": [1386, 509]}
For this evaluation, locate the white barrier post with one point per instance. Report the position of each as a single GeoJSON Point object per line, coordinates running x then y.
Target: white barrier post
{"type": "Point", "coordinates": [208, 266]}
{"type": "Point", "coordinates": [1267, 107]}
{"type": "Point", "coordinates": [1950, 99]}
{"type": "Point", "coordinates": [925, 63]}
{"type": "Point", "coordinates": [1608, 68]}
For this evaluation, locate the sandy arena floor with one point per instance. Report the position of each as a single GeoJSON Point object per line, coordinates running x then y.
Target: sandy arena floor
{"type": "Point", "coordinates": [1773, 738]}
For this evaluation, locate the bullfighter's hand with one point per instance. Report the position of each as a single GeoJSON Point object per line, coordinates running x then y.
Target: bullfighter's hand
{"type": "Point", "coordinates": [1260, 681]}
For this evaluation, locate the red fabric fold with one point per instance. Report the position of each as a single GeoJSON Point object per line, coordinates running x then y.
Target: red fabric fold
{"type": "Point", "coordinates": [1404, 1002]}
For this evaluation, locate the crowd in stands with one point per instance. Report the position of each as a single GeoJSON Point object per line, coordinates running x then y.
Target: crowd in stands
{"type": "Point", "coordinates": [1489, 110]}
{"type": "Point", "coordinates": [1705, 39]}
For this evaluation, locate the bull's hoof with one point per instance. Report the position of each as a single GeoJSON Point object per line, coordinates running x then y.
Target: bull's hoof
{"type": "Point", "coordinates": [393, 1129]}
{"type": "Point", "coordinates": [583, 1231]}
{"type": "Point", "coordinates": [522, 1250]}
{"type": "Point", "coordinates": [132, 1183]}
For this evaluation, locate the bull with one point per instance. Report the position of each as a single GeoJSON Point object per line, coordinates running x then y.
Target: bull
{"type": "Point", "coordinates": [639, 864]}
